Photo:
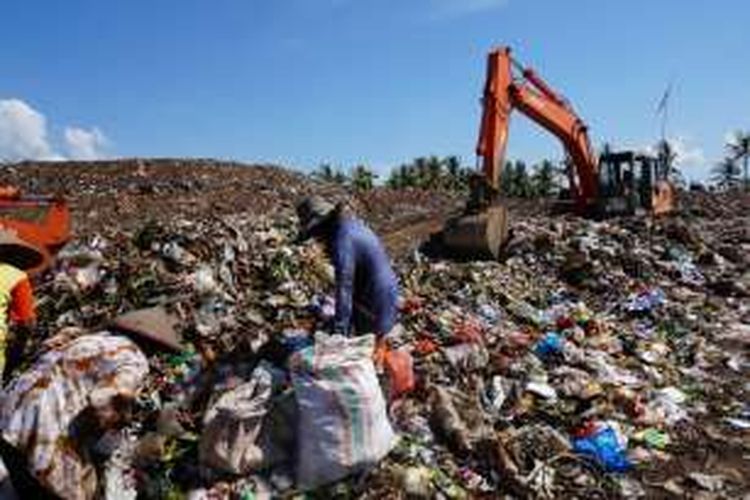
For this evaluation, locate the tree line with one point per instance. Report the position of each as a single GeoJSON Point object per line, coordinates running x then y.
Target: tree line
{"type": "Point", "coordinates": [517, 179]}
{"type": "Point", "coordinates": [450, 174]}
{"type": "Point", "coordinates": [360, 177]}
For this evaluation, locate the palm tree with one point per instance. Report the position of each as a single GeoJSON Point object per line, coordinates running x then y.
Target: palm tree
{"type": "Point", "coordinates": [453, 172]}
{"type": "Point", "coordinates": [508, 180]}
{"type": "Point", "coordinates": [324, 172]}
{"type": "Point", "coordinates": [434, 172]}
{"type": "Point", "coordinates": [340, 177]}
{"type": "Point", "coordinates": [739, 149]}
{"type": "Point", "coordinates": [726, 173]}
{"type": "Point", "coordinates": [408, 176]}
{"type": "Point", "coordinates": [464, 175]}
{"type": "Point", "coordinates": [668, 159]}
{"type": "Point", "coordinates": [544, 179]}
{"type": "Point", "coordinates": [362, 178]}
{"type": "Point", "coordinates": [395, 178]}
{"type": "Point", "coordinates": [521, 179]}
{"type": "Point", "coordinates": [421, 173]}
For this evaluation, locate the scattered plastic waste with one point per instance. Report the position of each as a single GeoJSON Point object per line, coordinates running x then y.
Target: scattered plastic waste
{"type": "Point", "coordinates": [667, 405]}
{"type": "Point", "coordinates": [496, 395]}
{"type": "Point", "coordinates": [489, 314]}
{"type": "Point", "coordinates": [544, 390]}
{"type": "Point", "coordinates": [417, 482]}
{"type": "Point", "coordinates": [738, 423]}
{"type": "Point", "coordinates": [467, 357]}
{"type": "Point", "coordinates": [709, 482]}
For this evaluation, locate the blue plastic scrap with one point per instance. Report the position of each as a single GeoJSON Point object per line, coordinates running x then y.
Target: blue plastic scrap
{"type": "Point", "coordinates": [646, 301]}
{"type": "Point", "coordinates": [549, 345]}
{"type": "Point", "coordinates": [604, 448]}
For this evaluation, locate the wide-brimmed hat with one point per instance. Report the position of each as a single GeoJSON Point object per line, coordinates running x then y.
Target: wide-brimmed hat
{"type": "Point", "coordinates": [21, 254]}
{"type": "Point", "coordinates": [154, 324]}
{"type": "Point", "coordinates": [312, 212]}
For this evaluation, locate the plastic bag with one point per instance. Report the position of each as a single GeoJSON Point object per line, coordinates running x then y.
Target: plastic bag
{"type": "Point", "coordinates": [646, 301]}
{"type": "Point", "coordinates": [604, 447]}
{"type": "Point", "coordinates": [399, 367]}
{"type": "Point", "coordinates": [232, 426]}
{"type": "Point", "coordinates": [467, 357]}
{"type": "Point", "coordinates": [342, 425]}
{"type": "Point", "coordinates": [551, 344]}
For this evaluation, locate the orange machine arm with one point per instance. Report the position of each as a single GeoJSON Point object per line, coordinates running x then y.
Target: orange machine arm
{"type": "Point", "coordinates": [534, 98]}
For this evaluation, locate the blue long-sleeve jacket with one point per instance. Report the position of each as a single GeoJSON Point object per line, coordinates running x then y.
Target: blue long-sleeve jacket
{"type": "Point", "coordinates": [366, 286]}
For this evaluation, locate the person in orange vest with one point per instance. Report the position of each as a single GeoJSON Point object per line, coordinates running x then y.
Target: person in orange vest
{"type": "Point", "coordinates": [17, 307]}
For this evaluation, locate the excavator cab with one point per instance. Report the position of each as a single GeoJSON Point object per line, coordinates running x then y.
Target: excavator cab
{"type": "Point", "coordinates": [632, 183]}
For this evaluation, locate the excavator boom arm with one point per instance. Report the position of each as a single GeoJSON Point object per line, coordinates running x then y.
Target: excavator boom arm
{"type": "Point", "coordinates": [535, 99]}
{"type": "Point", "coordinates": [496, 109]}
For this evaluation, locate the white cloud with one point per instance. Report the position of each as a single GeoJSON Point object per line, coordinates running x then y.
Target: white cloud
{"type": "Point", "coordinates": [24, 136]}
{"type": "Point", "coordinates": [729, 137]}
{"type": "Point", "coordinates": [23, 132]}
{"type": "Point", "coordinates": [458, 7]}
{"type": "Point", "coordinates": [687, 154]}
{"type": "Point", "coordinates": [85, 144]}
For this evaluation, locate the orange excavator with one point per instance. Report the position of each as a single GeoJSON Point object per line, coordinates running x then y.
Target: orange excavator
{"type": "Point", "coordinates": [613, 183]}
{"type": "Point", "coordinates": [40, 221]}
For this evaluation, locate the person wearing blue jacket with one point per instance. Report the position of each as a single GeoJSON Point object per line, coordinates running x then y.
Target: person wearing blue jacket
{"type": "Point", "coordinates": [366, 286]}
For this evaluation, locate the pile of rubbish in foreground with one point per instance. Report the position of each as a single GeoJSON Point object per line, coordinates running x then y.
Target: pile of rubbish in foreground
{"type": "Point", "coordinates": [597, 359]}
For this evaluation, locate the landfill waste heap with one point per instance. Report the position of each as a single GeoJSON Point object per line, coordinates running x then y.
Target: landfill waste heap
{"type": "Point", "coordinates": [596, 359]}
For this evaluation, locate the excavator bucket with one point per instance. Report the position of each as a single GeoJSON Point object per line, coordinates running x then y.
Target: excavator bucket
{"type": "Point", "coordinates": [41, 221]}
{"type": "Point", "coordinates": [479, 235]}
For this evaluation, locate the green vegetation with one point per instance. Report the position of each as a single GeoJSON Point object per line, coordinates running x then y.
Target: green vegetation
{"type": "Point", "coordinates": [738, 149]}
{"type": "Point", "coordinates": [726, 174]}
{"type": "Point", "coordinates": [518, 180]}
{"type": "Point", "coordinates": [448, 174]}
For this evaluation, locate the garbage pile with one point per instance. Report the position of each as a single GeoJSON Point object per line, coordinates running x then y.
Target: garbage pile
{"type": "Point", "coordinates": [596, 359]}
{"type": "Point", "coordinates": [233, 282]}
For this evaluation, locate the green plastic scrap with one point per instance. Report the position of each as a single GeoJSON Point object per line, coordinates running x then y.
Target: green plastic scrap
{"type": "Point", "coordinates": [653, 438]}
{"type": "Point", "coordinates": [182, 358]}
{"type": "Point", "coordinates": [447, 485]}
{"type": "Point", "coordinates": [247, 494]}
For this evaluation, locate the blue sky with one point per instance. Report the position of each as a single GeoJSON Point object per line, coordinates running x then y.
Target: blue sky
{"type": "Point", "coordinates": [300, 82]}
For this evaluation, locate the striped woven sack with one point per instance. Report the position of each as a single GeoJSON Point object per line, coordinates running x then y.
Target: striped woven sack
{"type": "Point", "coordinates": [343, 425]}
